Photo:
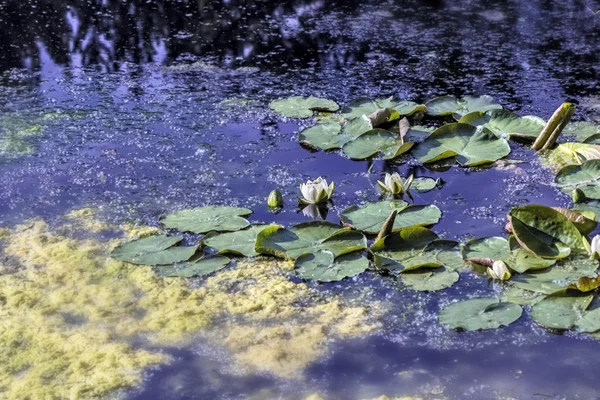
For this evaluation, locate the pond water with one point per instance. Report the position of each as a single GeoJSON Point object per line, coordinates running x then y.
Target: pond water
{"type": "Point", "coordinates": [140, 108]}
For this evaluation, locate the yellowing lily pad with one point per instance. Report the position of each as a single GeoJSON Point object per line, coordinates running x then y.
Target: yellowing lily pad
{"type": "Point", "coordinates": [302, 107]}
{"type": "Point", "coordinates": [206, 219]}
{"type": "Point", "coordinates": [450, 105]}
{"type": "Point", "coordinates": [479, 314]}
{"type": "Point", "coordinates": [470, 145]}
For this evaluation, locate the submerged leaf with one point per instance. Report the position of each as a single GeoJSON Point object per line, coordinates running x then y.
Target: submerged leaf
{"type": "Point", "coordinates": [206, 219]}
{"type": "Point", "coordinates": [470, 145]}
{"type": "Point", "coordinates": [302, 107]}
{"type": "Point", "coordinates": [323, 266]}
{"type": "Point", "coordinates": [480, 313]}
{"type": "Point", "coordinates": [309, 237]}
{"type": "Point", "coordinates": [200, 267]}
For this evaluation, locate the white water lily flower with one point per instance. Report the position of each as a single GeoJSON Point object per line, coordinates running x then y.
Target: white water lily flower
{"type": "Point", "coordinates": [499, 271]}
{"type": "Point", "coordinates": [394, 184]}
{"type": "Point", "coordinates": [315, 211]}
{"type": "Point", "coordinates": [317, 191]}
{"type": "Point", "coordinates": [595, 248]}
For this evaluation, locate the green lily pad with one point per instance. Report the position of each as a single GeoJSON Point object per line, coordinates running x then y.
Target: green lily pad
{"type": "Point", "coordinates": [544, 231]}
{"type": "Point", "coordinates": [200, 267]}
{"type": "Point", "coordinates": [429, 280]}
{"type": "Point", "coordinates": [555, 279]}
{"type": "Point", "coordinates": [323, 266]}
{"type": "Point", "coordinates": [493, 248]}
{"type": "Point", "coordinates": [374, 142]}
{"type": "Point", "coordinates": [470, 145]}
{"type": "Point", "coordinates": [585, 177]}
{"type": "Point", "coordinates": [592, 206]}
{"type": "Point", "coordinates": [522, 261]}
{"type": "Point", "coordinates": [405, 250]}
{"type": "Point", "coordinates": [302, 107]}
{"type": "Point", "coordinates": [513, 294]}
{"type": "Point", "coordinates": [560, 311]}
{"type": "Point", "coordinates": [448, 252]}
{"type": "Point", "coordinates": [581, 130]}
{"type": "Point", "coordinates": [506, 124]}
{"type": "Point", "coordinates": [480, 313]}
{"type": "Point", "coordinates": [450, 105]}
{"type": "Point", "coordinates": [309, 237]}
{"type": "Point", "coordinates": [325, 136]}
{"type": "Point", "coordinates": [240, 243]}
{"type": "Point", "coordinates": [425, 184]}
{"type": "Point", "coordinates": [206, 219]}
{"type": "Point", "coordinates": [589, 322]}
{"type": "Point", "coordinates": [154, 250]}
{"type": "Point", "coordinates": [370, 217]}
{"type": "Point", "coordinates": [366, 106]}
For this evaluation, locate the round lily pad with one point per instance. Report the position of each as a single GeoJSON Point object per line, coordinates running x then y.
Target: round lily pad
{"type": "Point", "coordinates": [323, 266]}
{"type": "Point", "coordinates": [581, 130]}
{"type": "Point", "coordinates": [366, 106]}
{"type": "Point", "coordinates": [480, 313]}
{"type": "Point", "coordinates": [302, 107]}
{"type": "Point", "coordinates": [429, 280]}
{"type": "Point", "coordinates": [492, 248]}
{"type": "Point", "coordinates": [374, 142]}
{"type": "Point", "coordinates": [324, 136]}
{"type": "Point", "coordinates": [200, 267]}
{"type": "Point", "coordinates": [240, 243]}
{"type": "Point", "coordinates": [585, 177]}
{"type": "Point", "coordinates": [560, 311]}
{"type": "Point", "coordinates": [450, 105]}
{"type": "Point", "coordinates": [506, 124]}
{"type": "Point", "coordinates": [370, 217]}
{"type": "Point", "coordinates": [206, 219]}
{"type": "Point", "coordinates": [552, 280]}
{"type": "Point", "coordinates": [470, 145]}
{"type": "Point", "coordinates": [309, 237]}
{"type": "Point", "coordinates": [154, 250]}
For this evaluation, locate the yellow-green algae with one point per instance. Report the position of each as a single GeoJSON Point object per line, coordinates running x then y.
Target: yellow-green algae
{"type": "Point", "coordinates": [69, 313]}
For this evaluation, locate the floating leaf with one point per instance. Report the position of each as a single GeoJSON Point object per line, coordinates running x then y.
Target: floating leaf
{"type": "Point", "coordinates": [240, 243]}
{"type": "Point", "coordinates": [520, 296]}
{"type": "Point", "coordinates": [587, 284]}
{"type": "Point", "coordinates": [581, 130]}
{"type": "Point", "coordinates": [470, 145]}
{"type": "Point", "coordinates": [449, 105]}
{"type": "Point", "coordinates": [425, 184]}
{"type": "Point", "coordinates": [357, 127]}
{"type": "Point", "coordinates": [589, 322]}
{"type": "Point", "coordinates": [492, 248]}
{"type": "Point", "coordinates": [366, 106]}
{"type": "Point", "coordinates": [480, 313]}
{"type": "Point", "coordinates": [585, 177]}
{"type": "Point", "coordinates": [323, 266]}
{"type": "Point", "coordinates": [574, 153]}
{"type": "Point", "coordinates": [584, 221]}
{"type": "Point", "coordinates": [206, 219]}
{"type": "Point", "coordinates": [200, 267]}
{"type": "Point", "coordinates": [522, 261]}
{"type": "Point", "coordinates": [430, 280]}
{"type": "Point", "coordinates": [309, 237]}
{"type": "Point", "coordinates": [506, 124]}
{"type": "Point", "coordinates": [370, 217]}
{"type": "Point", "coordinates": [324, 136]}
{"type": "Point", "coordinates": [405, 250]}
{"type": "Point", "coordinates": [592, 206]}
{"type": "Point", "coordinates": [552, 280]}
{"type": "Point", "coordinates": [302, 107]}
{"type": "Point", "coordinates": [544, 231]}
{"type": "Point", "coordinates": [154, 250]}
{"type": "Point", "coordinates": [560, 311]}
{"type": "Point", "coordinates": [374, 142]}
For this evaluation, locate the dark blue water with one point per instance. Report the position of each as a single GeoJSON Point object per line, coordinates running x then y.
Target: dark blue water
{"type": "Point", "coordinates": [148, 107]}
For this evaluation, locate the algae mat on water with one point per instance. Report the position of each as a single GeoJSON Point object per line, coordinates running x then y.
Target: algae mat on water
{"type": "Point", "coordinates": [70, 313]}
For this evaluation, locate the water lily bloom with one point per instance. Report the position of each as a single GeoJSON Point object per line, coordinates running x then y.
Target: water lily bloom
{"type": "Point", "coordinates": [394, 184]}
{"type": "Point", "coordinates": [499, 271]}
{"type": "Point", "coordinates": [315, 192]}
{"type": "Point", "coordinates": [595, 250]}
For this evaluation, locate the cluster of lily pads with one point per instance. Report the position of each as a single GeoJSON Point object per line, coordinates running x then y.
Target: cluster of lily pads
{"type": "Point", "coordinates": [546, 260]}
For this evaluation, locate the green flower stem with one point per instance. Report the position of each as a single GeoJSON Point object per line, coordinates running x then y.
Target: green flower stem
{"type": "Point", "coordinates": [554, 127]}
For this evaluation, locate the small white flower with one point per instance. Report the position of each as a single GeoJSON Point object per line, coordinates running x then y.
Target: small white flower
{"type": "Point", "coordinates": [595, 248]}
{"type": "Point", "coordinates": [499, 271]}
{"type": "Point", "coordinates": [317, 191]}
{"type": "Point", "coordinates": [394, 184]}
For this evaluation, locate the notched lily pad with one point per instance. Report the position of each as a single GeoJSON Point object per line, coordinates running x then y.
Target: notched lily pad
{"type": "Point", "coordinates": [325, 136]}
{"type": "Point", "coordinates": [323, 266]}
{"type": "Point", "coordinates": [366, 106]}
{"type": "Point", "coordinates": [240, 243]}
{"type": "Point", "coordinates": [302, 107]}
{"type": "Point", "coordinates": [154, 250]}
{"type": "Point", "coordinates": [585, 177]}
{"type": "Point", "coordinates": [581, 130]}
{"type": "Point", "coordinates": [201, 267]}
{"type": "Point", "coordinates": [374, 142]}
{"type": "Point", "coordinates": [206, 219]}
{"type": "Point", "coordinates": [470, 145]}
{"type": "Point", "coordinates": [309, 237]}
{"type": "Point", "coordinates": [480, 313]}
{"type": "Point", "coordinates": [370, 217]}
{"type": "Point", "coordinates": [506, 124]}
{"type": "Point", "coordinates": [560, 311]}
{"type": "Point", "coordinates": [429, 280]}
{"type": "Point", "coordinates": [450, 105]}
